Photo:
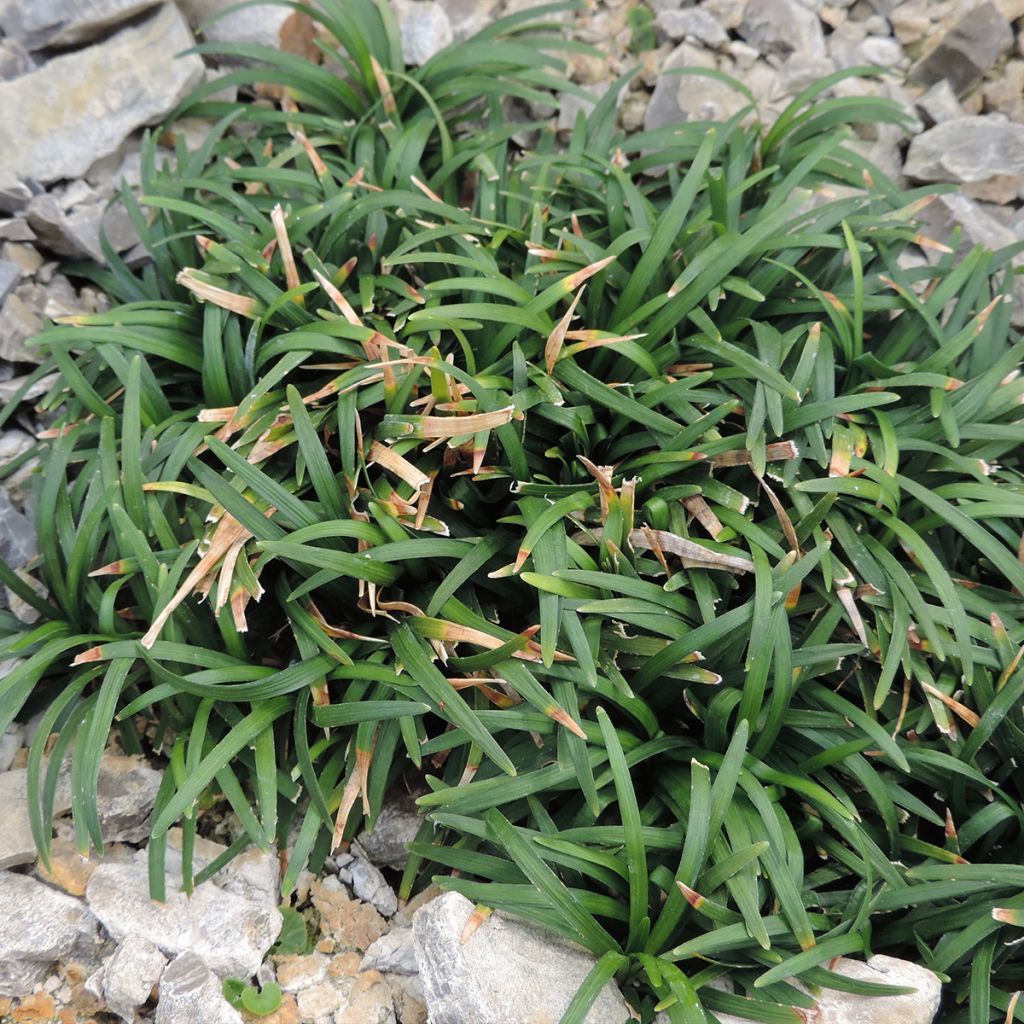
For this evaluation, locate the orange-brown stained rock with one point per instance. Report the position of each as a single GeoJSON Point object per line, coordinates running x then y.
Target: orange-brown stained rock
{"type": "Point", "coordinates": [286, 1013]}
{"type": "Point", "coordinates": [369, 997]}
{"type": "Point", "coordinates": [353, 925]}
{"type": "Point", "coordinates": [35, 1009]}
{"type": "Point", "coordinates": [345, 965]}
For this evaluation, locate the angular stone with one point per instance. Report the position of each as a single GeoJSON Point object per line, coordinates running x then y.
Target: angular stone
{"type": "Point", "coordinates": [370, 885]}
{"type": "Point", "coordinates": [14, 194]}
{"type": "Point", "coordinates": [967, 149]}
{"type": "Point", "coordinates": [940, 104]}
{"type": "Point", "coordinates": [395, 828]}
{"type": "Point", "coordinates": [692, 23]}
{"type": "Point", "coordinates": [190, 992]}
{"type": "Point", "coordinates": [835, 1007]}
{"type": "Point", "coordinates": [393, 953]}
{"type": "Point", "coordinates": [351, 924]}
{"type": "Point", "coordinates": [260, 24]}
{"type": "Point", "coordinates": [507, 972]}
{"type": "Point", "coordinates": [319, 1002]}
{"type": "Point", "coordinates": [125, 793]}
{"type": "Point", "coordinates": [231, 934]}
{"type": "Point", "coordinates": [38, 927]}
{"type": "Point", "coordinates": [467, 17]}
{"type": "Point", "coordinates": [10, 744]}
{"type": "Point", "coordinates": [782, 27]}
{"type": "Point", "coordinates": [967, 51]}
{"type": "Point", "coordinates": [425, 29]}
{"type": "Point", "coordinates": [10, 275]}
{"type": "Point", "coordinates": [15, 60]}
{"type": "Point", "coordinates": [76, 234]}
{"type": "Point", "coordinates": [18, 322]}
{"type": "Point", "coordinates": [66, 22]}
{"type": "Point", "coordinates": [16, 843]}
{"type": "Point", "coordinates": [17, 534]}
{"type": "Point", "coordinates": [130, 975]}
{"type": "Point", "coordinates": [369, 1002]}
{"type": "Point", "coordinates": [301, 971]}
{"type": "Point", "coordinates": [61, 119]}
{"type": "Point", "coordinates": [686, 97]}
{"type": "Point", "coordinates": [253, 875]}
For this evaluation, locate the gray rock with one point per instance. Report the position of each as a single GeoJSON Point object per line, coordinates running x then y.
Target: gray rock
{"type": "Point", "coordinates": [10, 275]}
{"type": "Point", "coordinates": [130, 975]}
{"type": "Point", "coordinates": [686, 97]}
{"type": "Point", "coordinates": [425, 29]}
{"type": "Point", "coordinates": [62, 118]}
{"type": "Point", "coordinates": [467, 17]}
{"type": "Point", "coordinates": [15, 60]}
{"type": "Point", "coordinates": [190, 993]}
{"type": "Point", "coordinates": [26, 256]}
{"type": "Point", "coordinates": [260, 24]}
{"type": "Point", "coordinates": [65, 22]}
{"type": "Point", "coordinates": [16, 229]}
{"type": "Point", "coordinates": [782, 27]}
{"type": "Point", "coordinates": [395, 828]}
{"type": "Point", "coordinates": [9, 388]}
{"type": "Point", "coordinates": [253, 875]}
{"type": "Point", "coordinates": [10, 744]}
{"type": "Point", "coordinates": [369, 885]}
{"type": "Point", "coordinates": [505, 973]}
{"type": "Point", "coordinates": [978, 226]}
{"type": "Point", "coordinates": [230, 933]}
{"type": "Point", "coordinates": [39, 926]}
{"type": "Point", "coordinates": [125, 793]}
{"type": "Point", "coordinates": [967, 149]}
{"type": "Point", "coordinates": [392, 953]}
{"type": "Point", "coordinates": [692, 23]}
{"type": "Point", "coordinates": [834, 1007]}
{"type": "Point", "coordinates": [940, 104]}
{"type": "Point", "coordinates": [14, 194]}
{"type": "Point", "coordinates": [17, 534]}
{"type": "Point", "coordinates": [18, 322]}
{"type": "Point", "coordinates": [967, 51]}
{"type": "Point", "coordinates": [882, 51]}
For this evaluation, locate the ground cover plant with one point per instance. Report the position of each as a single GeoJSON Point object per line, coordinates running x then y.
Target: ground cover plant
{"type": "Point", "coordinates": [632, 496]}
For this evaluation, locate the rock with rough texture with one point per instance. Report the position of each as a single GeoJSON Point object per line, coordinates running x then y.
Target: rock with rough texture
{"type": "Point", "coordinates": [395, 828]}
{"type": "Point", "coordinates": [14, 194]}
{"type": "Point", "coordinates": [39, 926]}
{"type": "Point", "coordinates": [130, 975]}
{"type": "Point", "coordinates": [782, 27]}
{"type": "Point", "coordinates": [76, 233]}
{"type": "Point", "coordinates": [15, 60]}
{"type": "Point", "coordinates": [10, 744]}
{"type": "Point", "coordinates": [190, 993]}
{"type": "Point", "coordinates": [42, 23]}
{"type": "Point", "coordinates": [350, 924]}
{"type": "Point", "coordinates": [692, 23]}
{"type": "Point", "coordinates": [370, 1002]}
{"type": "Point", "coordinates": [393, 953]}
{"type": "Point", "coordinates": [370, 885]}
{"type": "Point", "coordinates": [231, 934]}
{"type": "Point", "coordinates": [253, 874]}
{"type": "Point", "coordinates": [260, 24]}
{"type": "Point", "coordinates": [10, 275]}
{"type": "Point", "coordinates": [125, 794]}
{"type": "Point", "coordinates": [688, 97]}
{"type": "Point", "coordinates": [940, 104]}
{"type": "Point", "coordinates": [967, 149]}
{"type": "Point", "coordinates": [425, 29]}
{"type": "Point", "coordinates": [16, 843]}
{"type": "Point", "coordinates": [967, 51]}
{"type": "Point", "coordinates": [467, 17]}
{"type": "Point", "coordinates": [505, 973]}
{"type": "Point", "coordinates": [835, 1007]}
{"type": "Point", "coordinates": [81, 106]}
{"type": "Point", "coordinates": [17, 535]}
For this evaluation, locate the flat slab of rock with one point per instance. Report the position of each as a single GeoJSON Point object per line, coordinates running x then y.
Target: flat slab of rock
{"type": "Point", "coordinates": [967, 149]}
{"type": "Point", "coordinates": [506, 973]}
{"type": "Point", "coordinates": [190, 993]}
{"type": "Point", "coordinates": [230, 933]}
{"type": "Point", "coordinates": [81, 106]}
{"type": "Point", "coordinates": [129, 976]}
{"type": "Point", "coordinates": [39, 926]}
{"type": "Point", "coordinates": [42, 23]}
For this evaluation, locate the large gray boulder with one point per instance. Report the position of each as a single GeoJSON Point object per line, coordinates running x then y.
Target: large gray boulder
{"type": "Point", "coordinates": [81, 106]}
{"type": "Point", "coordinates": [505, 972]}
{"type": "Point", "coordinates": [967, 149]}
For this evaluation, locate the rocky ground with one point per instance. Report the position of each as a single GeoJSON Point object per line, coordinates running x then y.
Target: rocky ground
{"type": "Point", "coordinates": [81, 940]}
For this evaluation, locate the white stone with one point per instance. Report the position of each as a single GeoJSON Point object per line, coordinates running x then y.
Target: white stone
{"type": "Point", "coordinates": [190, 993]}
{"type": "Point", "coordinates": [63, 117]}
{"type": "Point", "coordinates": [425, 29]}
{"type": "Point", "coordinates": [506, 972]}
{"type": "Point", "coordinates": [39, 23]}
{"type": "Point", "coordinates": [130, 975]}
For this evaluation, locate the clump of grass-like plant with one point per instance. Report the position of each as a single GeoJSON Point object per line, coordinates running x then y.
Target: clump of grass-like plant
{"type": "Point", "coordinates": [633, 493]}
